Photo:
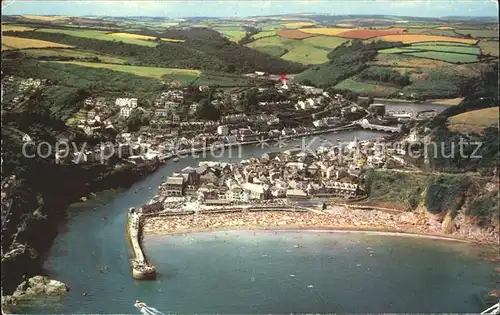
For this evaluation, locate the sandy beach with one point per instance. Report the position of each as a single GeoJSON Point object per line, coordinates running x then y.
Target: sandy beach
{"type": "Point", "coordinates": [339, 218]}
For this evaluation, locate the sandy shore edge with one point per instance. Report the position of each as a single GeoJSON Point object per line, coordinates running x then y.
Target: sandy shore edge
{"type": "Point", "coordinates": [314, 229]}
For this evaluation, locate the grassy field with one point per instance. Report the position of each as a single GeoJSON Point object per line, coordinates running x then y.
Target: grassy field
{"type": "Point", "coordinates": [489, 47]}
{"type": "Point", "coordinates": [293, 34]}
{"type": "Point", "coordinates": [150, 72]}
{"type": "Point", "coordinates": [356, 86]}
{"type": "Point", "coordinates": [15, 28]}
{"type": "Point", "coordinates": [71, 53]}
{"type": "Point", "coordinates": [274, 46]}
{"type": "Point", "coordinates": [330, 31]}
{"type": "Point", "coordinates": [232, 34]}
{"type": "Point", "coordinates": [307, 54]}
{"type": "Point", "coordinates": [440, 44]}
{"type": "Point", "coordinates": [264, 34]}
{"type": "Point", "coordinates": [433, 31]}
{"type": "Point", "coordinates": [9, 42]}
{"type": "Point", "coordinates": [329, 42]}
{"type": "Point", "coordinates": [313, 50]}
{"type": "Point", "coordinates": [444, 56]}
{"type": "Point", "coordinates": [474, 121]}
{"type": "Point", "coordinates": [415, 38]}
{"type": "Point", "coordinates": [100, 35]}
{"type": "Point", "coordinates": [469, 50]}
{"type": "Point", "coordinates": [479, 33]}
{"type": "Point", "coordinates": [405, 61]}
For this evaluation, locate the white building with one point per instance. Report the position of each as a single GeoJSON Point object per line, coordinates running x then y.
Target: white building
{"type": "Point", "coordinates": [223, 130]}
{"type": "Point", "coordinates": [126, 105]}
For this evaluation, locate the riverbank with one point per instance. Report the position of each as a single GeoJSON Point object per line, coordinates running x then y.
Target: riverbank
{"type": "Point", "coordinates": [336, 218]}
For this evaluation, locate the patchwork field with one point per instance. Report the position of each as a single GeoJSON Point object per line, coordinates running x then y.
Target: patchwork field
{"type": "Point", "coordinates": [489, 47]}
{"type": "Point", "coordinates": [479, 33]}
{"type": "Point", "coordinates": [150, 72]}
{"type": "Point", "coordinates": [71, 53]}
{"type": "Point", "coordinates": [9, 42]}
{"type": "Point", "coordinates": [293, 34]}
{"type": "Point", "coordinates": [434, 31]}
{"type": "Point", "coordinates": [444, 28]}
{"type": "Point", "coordinates": [469, 50]}
{"type": "Point", "coordinates": [365, 34]}
{"type": "Point", "coordinates": [234, 35]}
{"type": "Point", "coordinates": [444, 56]}
{"type": "Point", "coordinates": [297, 24]}
{"type": "Point", "coordinates": [474, 121]}
{"type": "Point", "coordinates": [100, 35]}
{"type": "Point", "coordinates": [15, 28]}
{"type": "Point", "coordinates": [312, 50]}
{"type": "Point", "coordinates": [143, 37]}
{"type": "Point", "coordinates": [263, 34]}
{"type": "Point", "coordinates": [47, 18]}
{"type": "Point", "coordinates": [415, 38]}
{"type": "Point", "coordinates": [330, 31]}
{"type": "Point", "coordinates": [307, 54]}
{"type": "Point", "coordinates": [329, 42]}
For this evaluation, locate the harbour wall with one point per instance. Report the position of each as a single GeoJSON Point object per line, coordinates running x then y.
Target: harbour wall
{"type": "Point", "coordinates": [141, 268]}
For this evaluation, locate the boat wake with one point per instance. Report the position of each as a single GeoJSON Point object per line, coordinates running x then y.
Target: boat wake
{"type": "Point", "coordinates": [147, 310]}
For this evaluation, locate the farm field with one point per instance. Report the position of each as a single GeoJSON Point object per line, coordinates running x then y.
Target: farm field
{"type": "Point", "coordinates": [356, 86]}
{"type": "Point", "coordinates": [297, 24]}
{"type": "Point", "coordinates": [479, 33]}
{"type": "Point", "coordinates": [293, 34]}
{"type": "Point", "coordinates": [470, 50]}
{"type": "Point", "coordinates": [71, 53]}
{"type": "Point", "coordinates": [329, 42]}
{"type": "Point", "coordinates": [444, 56]}
{"type": "Point", "coordinates": [312, 50]}
{"type": "Point", "coordinates": [15, 28]}
{"type": "Point", "coordinates": [474, 121]}
{"type": "Point", "coordinates": [415, 38]}
{"type": "Point", "coordinates": [232, 34]}
{"type": "Point", "coordinates": [307, 54]}
{"type": "Point", "coordinates": [100, 35]}
{"type": "Point", "coordinates": [433, 31]}
{"type": "Point", "coordinates": [365, 34]}
{"type": "Point", "coordinates": [143, 37]}
{"type": "Point", "coordinates": [47, 18]}
{"type": "Point", "coordinates": [263, 34]}
{"type": "Point", "coordinates": [489, 47]}
{"type": "Point", "coordinates": [9, 42]}
{"type": "Point", "coordinates": [330, 31]}
{"type": "Point", "coordinates": [150, 72]}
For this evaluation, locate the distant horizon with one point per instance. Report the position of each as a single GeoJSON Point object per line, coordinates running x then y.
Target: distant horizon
{"type": "Point", "coordinates": [260, 16]}
{"type": "Point", "coordinates": [252, 9]}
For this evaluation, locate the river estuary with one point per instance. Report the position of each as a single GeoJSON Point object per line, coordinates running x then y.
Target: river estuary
{"type": "Point", "coordinates": [255, 272]}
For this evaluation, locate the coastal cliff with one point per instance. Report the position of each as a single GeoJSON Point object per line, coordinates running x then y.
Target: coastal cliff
{"type": "Point", "coordinates": [461, 205]}
{"type": "Point", "coordinates": [34, 207]}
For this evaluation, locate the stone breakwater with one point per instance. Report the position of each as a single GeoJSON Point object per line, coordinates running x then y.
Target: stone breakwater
{"type": "Point", "coordinates": [335, 218]}
{"type": "Point", "coordinates": [141, 269]}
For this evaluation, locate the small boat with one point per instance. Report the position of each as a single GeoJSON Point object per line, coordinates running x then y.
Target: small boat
{"type": "Point", "coordinates": [176, 159]}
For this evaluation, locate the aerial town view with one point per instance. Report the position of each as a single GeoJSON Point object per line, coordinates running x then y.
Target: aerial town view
{"type": "Point", "coordinates": [250, 157]}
